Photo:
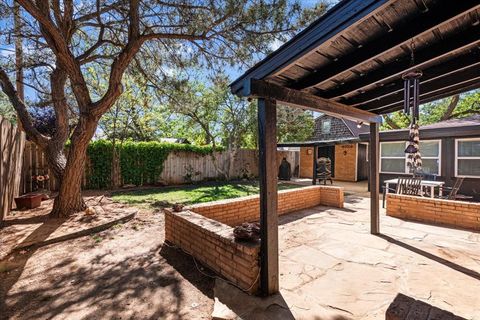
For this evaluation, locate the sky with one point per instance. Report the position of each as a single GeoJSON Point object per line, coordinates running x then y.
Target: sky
{"type": "Point", "coordinates": [232, 72]}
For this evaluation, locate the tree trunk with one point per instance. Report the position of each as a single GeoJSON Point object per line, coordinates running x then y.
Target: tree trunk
{"type": "Point", "coordinates": [451, 107]}
{"type": "Point", "coordinates": [115, 168]}
{"type": "Point", "coordinates": [69, 199]}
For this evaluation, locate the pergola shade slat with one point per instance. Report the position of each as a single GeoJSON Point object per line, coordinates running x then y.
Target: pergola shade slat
{"type": "Point", "coordinates": [426, 23]}
{"type": "Point", "coordinates": [471, 60]}
{"type": "Point", "coordinates": [360, 62]}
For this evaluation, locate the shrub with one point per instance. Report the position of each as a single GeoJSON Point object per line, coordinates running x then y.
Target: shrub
{"type": "Point", "coordinates": [141, 163]}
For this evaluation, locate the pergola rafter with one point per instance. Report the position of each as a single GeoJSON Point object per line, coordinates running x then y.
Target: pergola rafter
{"type": "Point", "coordinates": [349, 64]}
{"type": "Point", "coordinates": [431, 20]}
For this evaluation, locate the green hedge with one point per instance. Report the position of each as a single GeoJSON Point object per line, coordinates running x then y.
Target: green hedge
{"type": "Point", "coordinates": [141, 163]}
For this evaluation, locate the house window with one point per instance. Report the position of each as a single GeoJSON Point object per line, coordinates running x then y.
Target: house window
{"type": "Point", "coordinates": [326, 125]}
{"type": "Point", "coordinates": [467, 157]}
{"type": "Point", "coordinates": [430, 151]}
{"type": "Point", "coordinates": [393, 158]}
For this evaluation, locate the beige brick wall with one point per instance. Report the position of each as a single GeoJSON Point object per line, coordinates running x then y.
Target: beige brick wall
{"type": "Point", "coordinates": [438, 211]}
{"type": "Point", "coordinates": [205, 230]}
{"type": "Point", "coordinates": [306, 162]}
{"type": "Point", "coordinates": [346, 162]}
{"type": "Point", "coordinates": [212, 243]}
{"type": "Point", "coordinates": [246, 209]}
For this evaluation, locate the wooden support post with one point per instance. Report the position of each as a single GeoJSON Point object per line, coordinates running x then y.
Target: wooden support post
{"type": "Point", "coordinates": [315, 158]}
{"type": "Point", "coordinates": [267, 145]}
{"type": "Point", "coordinates": [374, 180]}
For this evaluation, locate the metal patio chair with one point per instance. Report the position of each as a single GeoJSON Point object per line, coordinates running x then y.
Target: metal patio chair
{"type": "Point", "coordinates": [452, 192]}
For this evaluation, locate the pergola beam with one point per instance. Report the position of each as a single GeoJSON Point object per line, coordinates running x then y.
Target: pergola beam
{"type": "Point", "coordinates": [430, 55]}
{"type": "Point", "coordinates": [428, 89]}
{"type": "Point", "coordinates": [423, 25]}
{"type": "Point", "coordinates": [299, 99]}
{"type": "Point", "coordinates": [439, 94]}
{"type": "Point", "coordinates": [433, 73]}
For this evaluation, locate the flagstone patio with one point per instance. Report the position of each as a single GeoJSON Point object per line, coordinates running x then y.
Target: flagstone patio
{"type": "Point", "coordinates": [331, 267]}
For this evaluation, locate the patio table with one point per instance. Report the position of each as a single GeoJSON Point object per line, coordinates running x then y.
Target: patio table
{"type": "Point", "coordinates": [424, 184]}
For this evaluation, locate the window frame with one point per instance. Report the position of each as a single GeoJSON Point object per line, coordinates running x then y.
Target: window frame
{"type": "Point", "coordinates": [464, 158]}
{"type": "Point", "coordinates": [405, 157]}
{"type": "Point", "coordinates": [329, 122]}
{"type": "Point", "coordinates": [392, 157]}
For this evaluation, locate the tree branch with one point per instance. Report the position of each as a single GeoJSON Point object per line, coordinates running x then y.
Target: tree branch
{"type": "Point", "coordinates": [21, 109]}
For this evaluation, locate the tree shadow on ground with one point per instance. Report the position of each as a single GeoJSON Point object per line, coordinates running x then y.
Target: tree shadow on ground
{"type": "Point", "coordinates": [144, 286]}
{"type": "Point", "coordinates": [184, 264]}
{"type": "Point", "coordinates": [15, 262]}
{"type": "Point", "coordinates": [30, 220]}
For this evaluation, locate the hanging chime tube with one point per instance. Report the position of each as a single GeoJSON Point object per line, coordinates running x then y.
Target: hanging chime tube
{"type": "Point", "coordinates": [406, 98]}
{"type": "Point", "coordinates": [416, 94]}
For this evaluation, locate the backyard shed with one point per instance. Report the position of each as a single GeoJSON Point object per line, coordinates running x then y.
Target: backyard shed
{"type": "Point", "coordinates": [339, 140]}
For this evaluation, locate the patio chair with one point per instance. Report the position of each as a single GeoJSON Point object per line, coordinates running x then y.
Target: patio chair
{"type": "Point", "coordinates": [452, 192]}
{"type": "Point", "coordinates": [406, 186]}
{"type": "Point", "coordinates": [324, 170]}
{"type": "Point", "coordinates": [425, 177]}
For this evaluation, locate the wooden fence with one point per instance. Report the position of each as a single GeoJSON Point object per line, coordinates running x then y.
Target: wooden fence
{"type": "Point", "coordinates": [12, 143]}
{"type": "Point", "coordinates": [179, 167]}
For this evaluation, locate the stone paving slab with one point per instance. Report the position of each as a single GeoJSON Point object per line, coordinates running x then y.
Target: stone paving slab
{"type": "Point", "coordinates": [332, 268]}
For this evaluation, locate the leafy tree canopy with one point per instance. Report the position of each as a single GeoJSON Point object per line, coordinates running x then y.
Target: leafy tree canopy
{"type": "Point", "coordinates": [457, 106]}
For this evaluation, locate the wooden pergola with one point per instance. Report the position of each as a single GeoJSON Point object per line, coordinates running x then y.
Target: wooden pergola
{"type": "Point", "coordinates": [349, 64]}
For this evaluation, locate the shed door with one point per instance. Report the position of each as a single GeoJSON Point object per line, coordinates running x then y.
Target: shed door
{"type": "Point", "coordinates": [328, 152]}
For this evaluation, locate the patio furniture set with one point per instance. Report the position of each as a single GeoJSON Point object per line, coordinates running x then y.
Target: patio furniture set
{"type": "Point", "coordinates": [424, 185]}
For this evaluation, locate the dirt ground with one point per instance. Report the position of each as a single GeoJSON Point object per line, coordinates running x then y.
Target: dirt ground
{"type": "Point", "coordinates": [125, 272]}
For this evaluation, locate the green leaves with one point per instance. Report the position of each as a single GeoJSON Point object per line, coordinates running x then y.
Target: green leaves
{"type": "Point", "coordinates": [99, 166]}
{"type": "Point", "coordinates": [141, 163]}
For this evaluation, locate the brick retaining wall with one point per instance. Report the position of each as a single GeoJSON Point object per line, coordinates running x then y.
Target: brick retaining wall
{"type": "Point", "coordinates": [205, 231]}
{"type": "Point", "coordinates": [246, 209]}
{"type": "Point", "coordinates": [447, 212]}
{"type": "Point", "coordinates": [213, 244]}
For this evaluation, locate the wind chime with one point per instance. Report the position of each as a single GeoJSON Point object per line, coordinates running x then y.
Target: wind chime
{"type": "Point", "coordinates": [411, 80]}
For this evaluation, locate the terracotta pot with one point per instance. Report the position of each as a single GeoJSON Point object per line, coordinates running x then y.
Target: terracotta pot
{"type": "Point", "coordinates": [28, 201]}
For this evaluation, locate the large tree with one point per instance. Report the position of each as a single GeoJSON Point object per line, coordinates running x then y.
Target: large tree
{"type": "Point", "coordinates": [219, 117]}
{"type": "Point", "coordinates": [64, 39]}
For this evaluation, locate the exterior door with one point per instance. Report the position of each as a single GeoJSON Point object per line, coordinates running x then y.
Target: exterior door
{"type": "Point", "coordinates": [328, 152]}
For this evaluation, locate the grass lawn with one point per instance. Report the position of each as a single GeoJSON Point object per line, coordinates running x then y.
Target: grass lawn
{"type": "Point", "coordinates": [191, 194]}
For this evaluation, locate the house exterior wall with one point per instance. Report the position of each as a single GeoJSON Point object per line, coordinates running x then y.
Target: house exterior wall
{"type": "Point", "coordinates": [338, 129]}
{"type": "Point", "coordinates": [345, 165]}
{"type": "Point", "coordinates": [346, 162]}
{"type": "Point", "coordinates": [306, 162]}
{"type": "Point", "coordinates": [470, 186]}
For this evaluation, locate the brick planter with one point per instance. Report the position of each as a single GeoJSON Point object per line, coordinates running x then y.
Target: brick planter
{"type": "Point", "coordinates": [213, 244]}
{"type": "Point", "coordinates": [438, 211]}
{"type": "Point", "coordinates": [233, 212]}
{"type": "Point", "coordinates": [206, 231]}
